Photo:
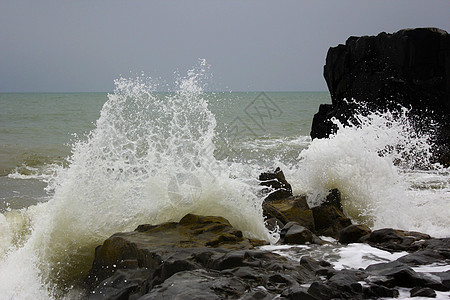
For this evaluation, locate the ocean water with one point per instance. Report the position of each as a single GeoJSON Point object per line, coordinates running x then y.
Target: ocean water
{"type": "Point", "coordinates": [76, 168]}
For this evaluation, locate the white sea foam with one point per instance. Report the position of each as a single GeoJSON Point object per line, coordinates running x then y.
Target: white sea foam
{"type": "Point", "coordinates": [378, 165]}
{"type": "Point", "coordinates": [133, 169]}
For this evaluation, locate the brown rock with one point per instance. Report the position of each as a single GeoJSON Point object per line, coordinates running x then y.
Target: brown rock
{"type": "Point", "coordinates": [278, 187]}
{"type": "Point", "coordinates": [292, 209]}
{"type": "Point", "coordinates": [293, 233]}
{"type": "Point", "coordinates": [145, 246]}
{"type": "Point", "coordinates": [352, 233]}
{"type": "Point", "coordinates": [329, 218]}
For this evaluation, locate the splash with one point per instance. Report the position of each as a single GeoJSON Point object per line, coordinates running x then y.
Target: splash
{"type": "Point", "coordinates": [150, 159]}
{"type": "Point", "coordinates": [377, 164]}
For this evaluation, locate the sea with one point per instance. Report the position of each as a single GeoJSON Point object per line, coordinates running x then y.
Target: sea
{"type": "Point", "coordinates": [77, 167]}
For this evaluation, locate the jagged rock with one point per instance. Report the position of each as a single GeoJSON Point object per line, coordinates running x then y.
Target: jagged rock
{"type": "Point", "coordinates": [329, 219]}
{"type": "Point", "coordinates": [396, 240]}
{"type": "Point", "coordinates": [141, 246]}
{"type": "Point", "coordinates": [378, 291]}
{"type": "Point", "coordinates": [352, 233]}
{"type": "Point", "coordinates": [274, 224]}
{"type": "Point", "coordinates": [323, 291]}
{"type": "Point", "coordinates": [423, 292]}
{"type": "Point", "coordinates": [441, 246]}
{"type": "Point", "coordinates": [279, 188]}
{"type": "Point", "coordinates": [445, 278]}
{"type": "Point", "coordinates": [291, 209]}
{"type": "Point", "coordinates": [423, 257]}
{"type": "Point", "coordinates": [199, 257]}
{"type": "Point", "coordinates": [321, 268]}
{"type": "Point", "coordinates": [405, 276]}
{"type": "Point", "coordinates": [294, 233]}
{"type": "Point", "coordinates": [410, 67]}
{"type": "Point", "coordinates": [298, 293]}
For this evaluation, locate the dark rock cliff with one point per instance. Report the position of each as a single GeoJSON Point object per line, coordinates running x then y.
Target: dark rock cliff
{"type": "Point", "coordinates": [410, 67]}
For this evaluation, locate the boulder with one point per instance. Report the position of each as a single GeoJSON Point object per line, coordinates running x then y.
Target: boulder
{"type": "Point", "coordinates": [352, 233]}
{"type": "Point", "coordinates": [291, 209]}
{"type": "Point", "coordinates": [294, 233]}
{"type": "Point", "coordinates": [147, 245]}
{"type": "Point", "coordinates": [396, 240]}
{"type": "Point", "coordinates": [422, 292]}
{"type": "Point", "coordinates": [198, 257]}
{"type": "Point", "coordinates": [410, 68]}
{"type": "Point", "coordinates": [329, 218]}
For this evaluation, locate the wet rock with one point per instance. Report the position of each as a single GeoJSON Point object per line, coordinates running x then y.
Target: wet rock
{"type": "Point", "coordinates": [423, 257]}
{"type": "Point", "coordinates": [298, 293]}
{"type": "Point", "coordinates": [273, 224]}
{"type": "Point", "coordinates": [322, 291]}
{"type": "Point", "coordinates": [404, 275]}
{"type": "Point", "coordinates": [348, 281]}
{"type": "Point", "coordinates": [278, 187]}
{"type": "Point", "coordinates": [396, 240]}
{"type": "Point", "coordinates": [190, 260]}
{"type": "Point", "coordinates": [197, 284]}
{"type": "Point", "coordinates": [291, 209]}
{"type": "Point", "coordinates": [352, 233]}
{"type": "Point", "coordinates": [410, 67]}
{"type": "Point", "coordinates": [294, 233]}
{"type": "Point", "coordinates": [423, 292]}
{"type": "Point", "coordinates": [320, 268]}
{"type": "Point", "coordinates": [145, 244]}
{"type": "Point", "coordinates": [441, 246]}
{"type": "Point", "coordinates": [445, 279]}
{"type": "Point", "coordinates": [329, 218]}
{"type": "Point", "coordinates": [379, 291]}
{"type": "Point", "coordinates": [121, 285]}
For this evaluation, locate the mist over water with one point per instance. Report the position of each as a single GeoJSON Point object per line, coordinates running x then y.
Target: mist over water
{"type": "Point", "coordinates": [154, 157]}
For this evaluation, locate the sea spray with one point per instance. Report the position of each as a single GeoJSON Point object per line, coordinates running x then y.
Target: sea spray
{"type": "Point", "coordinates": [131, 170]}
{"type": "Point", "coordinates": [376, 163]}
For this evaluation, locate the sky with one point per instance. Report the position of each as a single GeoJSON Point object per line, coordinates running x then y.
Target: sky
{"type": "Point", "coordinates": [250, 45]}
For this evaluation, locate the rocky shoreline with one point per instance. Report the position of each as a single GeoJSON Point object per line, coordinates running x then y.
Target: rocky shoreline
{"type": "Point", "coordinates": [410, 68]}
{"type": "Point", "coordinates": [204, 257]}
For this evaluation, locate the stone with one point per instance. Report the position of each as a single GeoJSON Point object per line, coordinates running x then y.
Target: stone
{"type": "Point", "coordinates": [441, 246]}
{"type": "Point", "coordinates": [410, 67]}
{"type": "Point", "coordinates": [142, 245]}
{"type": "Point", "coordinates": [404, 275]}
{"type": "Point", "coordinates": [423, 257]}
{"type": "Point", "coordinates": [422, 292]}
{"type": "Point", "coordinates": [278, 187]}
{"type": "Point", "coordinates": [379, 291]}
{"type": "Point", "coordinates": [396, 240]}
{"type": "Point", "coordinates": [190, 260]}
{"type": "Point", "coordinates": [322, 291]}
{"type": "Point", "coordinates": [352, 233]}
{"type": "Point", "coordinates": [320, 268]}
{"type": "Point", "coordinates": [291, 209]}
{"type": "Point", "coordinates": [294, 233]}
{"type": "Point", "coordinates": [273, 224]}
{"type": "Point", "coordinates": [329, 217]}
{"type": "Point", "coordinates": [298, 293]}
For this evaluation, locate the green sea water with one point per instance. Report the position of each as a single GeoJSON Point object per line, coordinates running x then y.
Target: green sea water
{"type": "Point", "coordinates": [38, 129]}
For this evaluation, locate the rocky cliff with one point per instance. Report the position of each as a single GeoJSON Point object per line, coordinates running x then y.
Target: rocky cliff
{"type": "Point", "coordinates": [410, 67]}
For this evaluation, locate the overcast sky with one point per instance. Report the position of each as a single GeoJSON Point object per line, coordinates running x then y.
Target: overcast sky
{"type": "Point", "coordinates": [75, 46]}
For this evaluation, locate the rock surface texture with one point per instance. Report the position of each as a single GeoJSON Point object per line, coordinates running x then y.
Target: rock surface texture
{"type": "Point", "coordinates": [410, 67]}
{"type": "Point", "coordinates": [206, 258]}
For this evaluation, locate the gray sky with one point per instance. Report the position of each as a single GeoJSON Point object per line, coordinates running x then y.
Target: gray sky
{"type": "Point", "coordinates": [71, 46]}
